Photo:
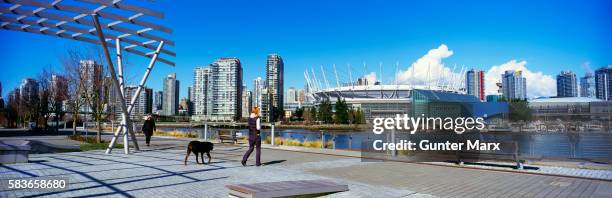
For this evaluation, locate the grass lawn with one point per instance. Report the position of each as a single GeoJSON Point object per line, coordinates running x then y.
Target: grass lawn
{"type": "Point", "coordinates": [98, 146]}
{"type": "Point", "coordinates": [90, 143]}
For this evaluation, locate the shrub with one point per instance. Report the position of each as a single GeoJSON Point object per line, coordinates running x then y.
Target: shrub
{"type": "Point", "coordinates": [179, 134]}
{"type": "Point", "coordinates": [313, 144]}
{"type": "Point", "coordinates": [80, 138]}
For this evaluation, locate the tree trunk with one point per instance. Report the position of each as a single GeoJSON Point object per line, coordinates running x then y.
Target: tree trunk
{"type": "Point", "coordinates": [99, 134]}
{"type": "Point", "coordinates": [74, 131]}
{"type": "Point", "coordinates": [75, 117]}
{"type": "Point", "coordinates": [57, 122]}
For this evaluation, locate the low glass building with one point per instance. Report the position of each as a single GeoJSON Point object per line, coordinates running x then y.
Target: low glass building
{"type": "Point", "coordinates": [389, 100]}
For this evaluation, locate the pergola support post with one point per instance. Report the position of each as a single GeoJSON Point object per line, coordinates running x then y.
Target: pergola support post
{"type": "Point", "coordinates": [111, 68]}
{"type": "Point", "coordinates": [125, 118]}
{"type": "Point", "coordinates": [134, 98]}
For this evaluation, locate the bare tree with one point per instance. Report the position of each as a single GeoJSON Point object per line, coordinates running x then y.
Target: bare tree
{"type": "Point", "coordinates": [74, 77]}
{"type": "Point", "coordinates": [13, 108]}
{"type": "Point", "coordinates": [58, 95]}
{"type": "Point", "coordinates": [85, 76]}
{"type": "Point", "coordinates": [29, 102]}
{"type": "Point", "coordinates": [44, 92]}
{"type": "Point", "coordinates": [94, 95]}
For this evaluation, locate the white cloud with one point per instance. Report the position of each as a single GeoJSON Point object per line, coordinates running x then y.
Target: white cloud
{"type": "Point", "coordinates": [371, 78]}
{"type": "Point", "coordinates": [538, 84]}
{"type": "Point", "coordinates": [432, 62]}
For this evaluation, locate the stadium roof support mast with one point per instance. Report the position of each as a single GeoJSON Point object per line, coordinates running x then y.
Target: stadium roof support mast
{"type": "Point", "coordinates": [314, 76]}
{"type": "Point", "coordinates": [337, 80]}
{"type": "Point", "coordinates": [324, 77]}
{"type": "Point", "coordinates": [380, 72]}
{"type": "Point", "coordinates": [350, 75]}
{"type": "Point", "coordinates": [307, 81]}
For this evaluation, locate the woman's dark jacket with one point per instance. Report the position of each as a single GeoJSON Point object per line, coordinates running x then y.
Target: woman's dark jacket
{"type": "Point", "coordinates": [148, 127]}
{"type": "Point", "coordinates": [253, 132]}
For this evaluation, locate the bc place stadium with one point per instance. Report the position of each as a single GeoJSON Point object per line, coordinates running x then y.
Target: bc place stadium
{"type": "Point", "coordinates": [431, 98]}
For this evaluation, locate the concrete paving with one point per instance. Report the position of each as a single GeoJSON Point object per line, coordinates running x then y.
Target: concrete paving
{"type": "Point", "coordinates": [158, 171]}
{"type": "Point", "coordinates": [161, 173]}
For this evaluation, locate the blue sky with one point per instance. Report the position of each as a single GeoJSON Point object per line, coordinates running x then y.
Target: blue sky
{"type": "Point", "coordinates": [549, 36]}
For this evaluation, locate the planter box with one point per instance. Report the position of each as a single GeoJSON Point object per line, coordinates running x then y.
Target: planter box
{"type": "Point", "coordinates": [14, 151]}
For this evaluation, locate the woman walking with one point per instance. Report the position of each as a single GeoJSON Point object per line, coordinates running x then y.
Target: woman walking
{"type": "Point", "coordinates": [147, 128]}
{"type": "Point", "coordinates": [254, 137]}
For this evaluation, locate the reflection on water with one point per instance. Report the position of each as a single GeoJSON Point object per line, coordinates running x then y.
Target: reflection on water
{"type": "Point", "coordinates": [548, 145]}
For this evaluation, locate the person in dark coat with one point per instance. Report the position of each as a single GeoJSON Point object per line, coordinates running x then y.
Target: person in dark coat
{"type": "Point", "coordinates": [147, 128]}
{"type": "Point", "coordinates": [254, 137]}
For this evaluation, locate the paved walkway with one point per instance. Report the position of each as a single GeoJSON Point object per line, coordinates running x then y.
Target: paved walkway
{"type": "Point", "coordinates": [160, 172]}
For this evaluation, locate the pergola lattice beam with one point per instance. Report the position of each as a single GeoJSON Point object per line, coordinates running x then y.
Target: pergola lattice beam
{"type": "Point", "coordinates": [38, 21]}
{"type": "Point", "coordinates": [49, 32]}
{"type": "Point", "coordinates": [44, 15]}
{"type": "Point", "coordinates": [47, 24]}
{"type": "Point", "coordinates": [123, 6]}
{"type": "Point", "coordinates": [86, 11]}
{"type": "Point", "coordinates": [63, 23]}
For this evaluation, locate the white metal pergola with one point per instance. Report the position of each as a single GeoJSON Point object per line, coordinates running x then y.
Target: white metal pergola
{"type": "Point", "coordinates": [108, 23]}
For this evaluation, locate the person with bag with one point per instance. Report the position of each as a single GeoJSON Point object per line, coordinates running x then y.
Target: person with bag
{"type": "Point", "coordinates": [254, 137]}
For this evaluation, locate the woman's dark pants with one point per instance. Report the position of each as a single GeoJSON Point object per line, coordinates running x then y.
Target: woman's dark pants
{"type": "Point", "coordinates": [148, 136]}
{"type": "Point", "coordinates": [254, 143]}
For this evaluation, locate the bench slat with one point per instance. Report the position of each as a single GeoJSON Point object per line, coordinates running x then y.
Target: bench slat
{"type": "Point", "coordinates": [285, 188]}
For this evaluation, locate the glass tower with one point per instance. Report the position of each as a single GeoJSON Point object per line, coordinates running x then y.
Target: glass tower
{"type": "Point", "coordinates": [566, 84]}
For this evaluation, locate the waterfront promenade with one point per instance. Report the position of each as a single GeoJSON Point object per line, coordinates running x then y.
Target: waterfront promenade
{"type": "Point", "coordinates": [158, 171]}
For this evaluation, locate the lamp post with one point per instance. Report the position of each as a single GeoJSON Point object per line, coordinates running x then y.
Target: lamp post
{"type": "Point", "coordinates": [271, 113]}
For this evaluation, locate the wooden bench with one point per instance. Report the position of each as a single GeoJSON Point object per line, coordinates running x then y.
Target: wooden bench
{"type": "Point", "coordinates": [509, 151]}
{"type": "Point", "coordinates": [285, 188]}
{"type": "Point", "coordinates": [228, 135]}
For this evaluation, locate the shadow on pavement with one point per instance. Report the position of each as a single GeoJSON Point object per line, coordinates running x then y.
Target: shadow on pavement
{"type": "Point", "coordinates": [273, 162]}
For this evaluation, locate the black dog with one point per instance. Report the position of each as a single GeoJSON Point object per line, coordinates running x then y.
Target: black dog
{"type": "Point", "coordinates": [199, 148]}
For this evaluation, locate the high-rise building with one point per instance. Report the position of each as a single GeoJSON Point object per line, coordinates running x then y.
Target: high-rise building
{"type": "Point", "coordinates": [91, 73]}
{"type": "Point", "coordinates": [603, 83]}
{"type": "Point", "coordinates": [274, 85]}
{"type": "Point", "coordinates": [514, 85]}
{"type": "Point", "coordinates": [184, 107]}
{"type": "Point", "coordinates": [258, 85]}
{"type": "Point", "coordinates": [112, 102]}
{"type": "Point", "coordinates": [202, 92]}
{"type": "Point", "coordinates": [28, 90]}
{"type": "Point", "coordinates": [291, 95]}
{"type": "Point", "coordinates": [246, 102]}
{"type": "Point", "coordinates": [158, 102]}
{"type": "Point", "coordinates": [475, 84]}
{"type": "Point", "coordinates": [301, 96]}
{"type": "Point", "coordinates": [587, 85]}
{"type": "Point", "coordinates": [190, 93]}
{"type": "Point", "coordinates": [171, 95]}
{"type": "Point", "coordinates": [567, 84]}
{"type": "Point", "coordinates": [143, 104]}
{"type": "Point", "coordinates": [226, 90]}
{"type": "Point", "coordinates": [59, 91]}
{"type": "Point", "coordinates": [190, 100]}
